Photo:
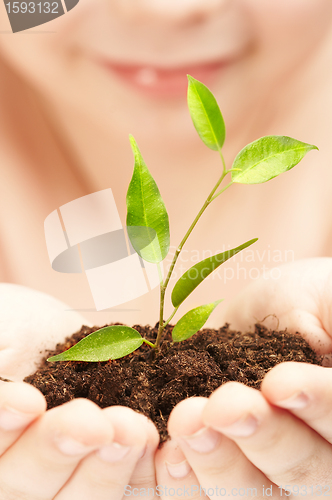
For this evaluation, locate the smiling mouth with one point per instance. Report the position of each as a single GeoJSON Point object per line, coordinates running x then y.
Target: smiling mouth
{"type": "Point", "coordinates": [164, 82]}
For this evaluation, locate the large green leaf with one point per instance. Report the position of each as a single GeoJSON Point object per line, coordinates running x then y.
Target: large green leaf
{"type": "Point", "coordinates": [268, 157]}
{"type": "Point", "coordinates": [193, 321]}
{"type": "Point", "coordinates": [112, 342]}
{"type": "Point", "coordinates": [206, 114]}
{"type": "Point", "coordinates": [197, 273]}
{"type": "Point", "coordinates": [147, 218]}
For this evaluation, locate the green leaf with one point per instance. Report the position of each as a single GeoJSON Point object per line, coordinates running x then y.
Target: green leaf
{"type": "Point", "coordinates": [206, 114]}
{"type": "Point", "coordinates": [193, 321]}
{"type": "Point", "coordinates": [197, 273]}
{"type": "Point", "coordinates": [111, 342]}
{"type": "Point", "coordinates": [147, 218]}
{"type": "Point", "coordinates": [268, 157]}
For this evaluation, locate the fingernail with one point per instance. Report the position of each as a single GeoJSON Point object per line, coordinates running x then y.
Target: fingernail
{"type": "Point", "coordinates": [179, 470]}
{"type": "Point", "coordinates": [242, 428]}
{"type": "Point", "coordinates": [11, 420]}
{"type": "Point", "coordinates": [203, 441]}
{"type": "Point", "coordinates": [69, 446]}
{"type": "Point", "coordinates": [296, 402]}
{"type": "Point", "coordinates": [113, 452]}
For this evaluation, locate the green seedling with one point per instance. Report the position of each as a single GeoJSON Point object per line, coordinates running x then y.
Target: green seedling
{"type": "Point", "coordinates": [148, 227]}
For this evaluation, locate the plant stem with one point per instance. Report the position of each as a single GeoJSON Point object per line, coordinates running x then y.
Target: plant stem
{"type": "Point", "coordinates": [221, 191]}
{"type": "Point", "coordinates": [178, 251]}
{"type": "Point", "coordinates": [171, 316]}
{"type": "Point", "coordinates": [161, 316]}
{"type": "Point", "coordinates": [186, 236]}
{"type": "Point", "coordinates": [160, 274]}
{"type": "Point", "coordinates": [149, 343]}
{"type": "Point", "coordinates": [223, 163]}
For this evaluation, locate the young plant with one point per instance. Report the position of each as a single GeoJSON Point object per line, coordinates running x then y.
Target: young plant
{"type": "Point", "coordinates": [148, 227]}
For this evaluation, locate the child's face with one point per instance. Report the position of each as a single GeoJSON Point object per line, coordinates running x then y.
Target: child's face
{"type": "Point", "coordinates": [119, 59]}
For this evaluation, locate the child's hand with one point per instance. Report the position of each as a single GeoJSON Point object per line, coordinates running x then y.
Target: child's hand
{"type": "Point", "coordinates": [244, 438]}
{"type": "Point", "coordinates": [281, 436]}
{"type": "Point", "coordinates": [74, 451]}
{"type": "Point", "coordinates": [31, 323]}
{"type": "Point", "coordinates": [300, 299]}
{"type": "Point", "coordinates": [77, 450]}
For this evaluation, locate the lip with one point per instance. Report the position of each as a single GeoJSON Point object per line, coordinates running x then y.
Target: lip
{"type": "Point", "coordinates": [161, 82]}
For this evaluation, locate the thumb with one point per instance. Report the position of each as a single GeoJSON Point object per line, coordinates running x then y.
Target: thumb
{"type": "Point", "coordinates": [31, 323]}
{"type": "Point", "coordinates": [299, 300]}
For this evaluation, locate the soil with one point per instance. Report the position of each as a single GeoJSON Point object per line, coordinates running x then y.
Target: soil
{"type": "Point", "coordinates": [195, 367]}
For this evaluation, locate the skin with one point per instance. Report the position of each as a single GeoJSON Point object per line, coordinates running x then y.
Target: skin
{"type": "Point", "coordinates": [281, 435]}
{"type": "Point", "coordinates": [308, 312]}
{"type": "Point", "coordinates": [76, 450]}
{"type": "Point", "coordinates": [79, 142]}
{"type": "Point", "coordinates": [237, 438]}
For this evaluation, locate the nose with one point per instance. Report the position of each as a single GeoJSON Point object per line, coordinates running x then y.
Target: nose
{"type": "Point", "coordinates": [174, 10]}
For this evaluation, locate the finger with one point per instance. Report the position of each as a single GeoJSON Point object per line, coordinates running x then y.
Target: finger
{"type": "Point", "coordinates": [285, 449]}
{"type": "Point", "coordinates": [305, 390]}
{"type": "Point", "coordinates": [297, 297]}
{"type": "Point", "coordinates": [144, 476]}
{"type": "Point", "coordinates": [175, 477]}
{"type": "Point", "coordinates": [20, 405]}
{"type": "Point", "coordinates": [216, 460]}
{"type": "Point", "coordinates": [106, 473]}
{"type": "Point", "coordinates": [309, 325]}
{"type": "Point", "coordinates": [259, 301]}
{"type": "Point", "coordinates": [44, 458]}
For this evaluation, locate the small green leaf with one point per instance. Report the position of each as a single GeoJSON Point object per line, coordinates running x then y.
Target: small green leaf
{"type": "Point", "coordinates": [206, 114]}
{"type": "Point", "coordinates": [147, 218]}
{"type": "Point", "coordinates": [193, 321]}
{"type": "Point", "coordinates": [268, 157]}
{"type": "Point", "coordinates": [111, 342]}
{"type": "Point", "coordinates": [197, 273]}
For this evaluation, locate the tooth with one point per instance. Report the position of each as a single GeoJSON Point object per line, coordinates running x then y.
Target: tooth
{"type": "Point", "coordinates": [146, 77]}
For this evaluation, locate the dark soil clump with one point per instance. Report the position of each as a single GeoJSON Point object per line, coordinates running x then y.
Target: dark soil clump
{"type": "Point", "coordinates": [195, 367]}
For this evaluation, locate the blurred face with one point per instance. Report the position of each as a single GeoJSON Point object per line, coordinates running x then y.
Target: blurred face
{"type": "Point", "coordinates": [123, 63]}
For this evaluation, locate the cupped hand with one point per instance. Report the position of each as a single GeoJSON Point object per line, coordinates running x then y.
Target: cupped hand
{"type": "Point", "coordinates": [296, 296]}
{"type": "Point", "coordinates": [241, 441]}
{"type": "Point", "coordinates": [77, 450]}
{"type": "Point", "coordinates": [31, 323]}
